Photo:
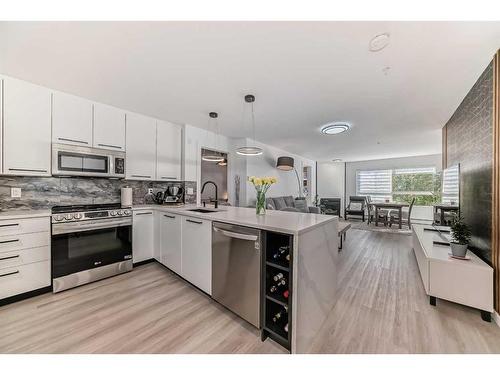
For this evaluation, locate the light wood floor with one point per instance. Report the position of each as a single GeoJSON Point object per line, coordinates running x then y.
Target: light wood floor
{"type": "Point", "coordinates": [382, 308]}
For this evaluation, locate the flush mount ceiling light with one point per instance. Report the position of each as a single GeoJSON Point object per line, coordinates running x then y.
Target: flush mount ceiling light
{"type": "Point", "coordinates": [250, 150]}
{"type": "Point", "coordinates": [213, 155]}
{"type": "Point", "coordinates": [379, 42]}
{"type": "Point", "coordinates": [337, 160]}
{"type": "Point", "coordinates": [335, 128]}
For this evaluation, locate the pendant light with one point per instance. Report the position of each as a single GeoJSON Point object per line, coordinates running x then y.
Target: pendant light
{"type": "Point", "coordinates": [214, 156]}
{"type": "Point", "coordinates": [250, 150]}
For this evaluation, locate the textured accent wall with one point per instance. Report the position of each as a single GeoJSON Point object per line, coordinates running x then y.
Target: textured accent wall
{"type": "Point", "coordinates": [45, 192]}
{"type": "Point", "coordinates": [469, 141]}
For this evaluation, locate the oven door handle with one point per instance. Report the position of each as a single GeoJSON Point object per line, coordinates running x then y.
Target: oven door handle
{"type": "Point", "coordinates": [87, 226]}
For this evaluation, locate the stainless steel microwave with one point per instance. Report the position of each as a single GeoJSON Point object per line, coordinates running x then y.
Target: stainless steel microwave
{"type": "Point", "coordinates": [70, 160]}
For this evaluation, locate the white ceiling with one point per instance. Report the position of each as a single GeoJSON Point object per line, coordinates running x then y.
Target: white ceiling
{"type": "Point", "coordinates": [304, 74]}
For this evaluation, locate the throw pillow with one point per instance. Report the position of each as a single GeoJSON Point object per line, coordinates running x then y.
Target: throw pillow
{"type": "Point", "coordinates": [355, 206]}
{"type": "Point", "coordinates": [279, 203]}
{"type": "Point", "coordinates": [301, 205]}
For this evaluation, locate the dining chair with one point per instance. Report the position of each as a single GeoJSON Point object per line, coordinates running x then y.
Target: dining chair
{"type": "Point", "coordinates": [406, 215]}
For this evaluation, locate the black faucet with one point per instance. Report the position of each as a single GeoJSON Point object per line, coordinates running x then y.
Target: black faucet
{"type": "Point", "coordinates": [216, 196]}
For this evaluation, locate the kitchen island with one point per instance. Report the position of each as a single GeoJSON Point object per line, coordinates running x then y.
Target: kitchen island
{"type": "Point", "coordinates": [313, 244]}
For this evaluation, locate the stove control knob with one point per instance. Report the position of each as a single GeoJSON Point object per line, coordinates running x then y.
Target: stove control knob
{"type": "Point", "coordinates": [126, 212]}
{"type": "Point", "coordinates": [58, 217]}
{"type": "Point", "coordinates": [120, 213]}
{"type": "Point", "coordinates": [113, 213]}
{"type": "Point", "coordinates": [68, 216]}
{"type": "Point", "coordinates": [78, 216]}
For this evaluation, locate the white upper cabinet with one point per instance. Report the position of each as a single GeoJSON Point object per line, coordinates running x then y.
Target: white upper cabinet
{"type": "Point", "coordinates": [141, 147]}
{"type": "Point", "coordinates": [109, 127]}
{"type": "Point", "coordinates": [169, 151]}
{"type": "Point", "coordinates": [26, 129]}
{"type": "Point", "coordinates": [71, 120]}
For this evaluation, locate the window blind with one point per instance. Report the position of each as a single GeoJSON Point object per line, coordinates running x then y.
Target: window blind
{"type": "Point", "coordinates": [377, 184]}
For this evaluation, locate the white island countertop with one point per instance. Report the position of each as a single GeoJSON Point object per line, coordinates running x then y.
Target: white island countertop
{"type": "Point", "coordinates": [277, 221]}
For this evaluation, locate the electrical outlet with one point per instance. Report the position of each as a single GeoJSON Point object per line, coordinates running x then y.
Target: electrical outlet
{"type": "Point", "coordinates": [150, 191]}
{"type": "Point", "coordinates": [15, 192]}
{"type": "Point", "coordinates": [190, 191]}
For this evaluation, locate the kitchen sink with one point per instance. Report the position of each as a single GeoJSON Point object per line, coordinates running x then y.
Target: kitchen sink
{"type": "Point", "coordinates": [201, 210]}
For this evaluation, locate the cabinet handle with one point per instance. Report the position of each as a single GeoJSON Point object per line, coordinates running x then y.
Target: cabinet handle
{"type": "Point", "coordinates": [105, 145]}
{"type": "Point", "coordinates": [9, 225]}
{"type": "Point", "coordinates": [9, 241]}
{"type": "Point", "coordinates": [73, 140]}
{"type": "Point", "coordinates": [141, 176]}
{"type": "Point", "coordinates": [168, 178]}
{"type": "Point", "coordinates": [28, 170]}
{"type": "Point", "coordinates": [169, 216]}
{"type": "Point", "coordinates": [12, 257]}
{"type": "Point", "coordinates": [194, 222]}
{"type": "Point", "coordinates": [143, 213]}
{"type": "Point", "coordinates": [10, 273]}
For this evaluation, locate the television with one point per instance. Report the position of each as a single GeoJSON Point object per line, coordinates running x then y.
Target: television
{"type": "Point", "coordinates": [450, 186]}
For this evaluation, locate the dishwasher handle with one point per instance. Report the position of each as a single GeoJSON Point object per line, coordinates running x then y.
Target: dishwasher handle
{"type": "Point", "coordinates": [240, 236]}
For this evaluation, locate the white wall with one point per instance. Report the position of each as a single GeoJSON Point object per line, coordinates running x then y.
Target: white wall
{"type": "Point", "coordinates": [331, 179]}
{"type": "Point", "coordinates": [243, 166]}
{"type": "Point", "coordinates": [265, 165]}
{"type": "Point", "coordinates": [419, 212]}
{"type": "Point", "coordinates": [194, 140]}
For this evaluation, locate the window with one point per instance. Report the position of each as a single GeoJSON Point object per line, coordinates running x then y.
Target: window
{"type": "Point", "coordinates": [451, 185]}
{"type": "Point", "coordinates": [400, 185]}
{"type": "Point", "coordinates": [376, 184]}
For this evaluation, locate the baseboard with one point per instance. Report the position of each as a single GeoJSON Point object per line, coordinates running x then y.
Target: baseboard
{"type": "Point", "coordinates": [23, 296]}
{"type": "Point", "coordinates": [496, 318]}
{"type": "Point", "coordinates": [144, 262]}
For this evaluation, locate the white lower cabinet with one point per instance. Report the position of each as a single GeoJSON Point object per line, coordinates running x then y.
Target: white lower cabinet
{"type": "Point", "coordinates": [143, 240]}
{"type": "Point", "coordinates": [197, 252]}
{"type": "Point", "coordinates": [24, 255]}
{"type": "Point", "coordinates": [170, 241]}
{"type": "Point", "coordinates": [181, 243]}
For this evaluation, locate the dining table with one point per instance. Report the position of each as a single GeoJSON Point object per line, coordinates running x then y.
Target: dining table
{"type": "Point", "coordinates": [443, 208]}
{"type": "Point", "coordinates": [389, 205]}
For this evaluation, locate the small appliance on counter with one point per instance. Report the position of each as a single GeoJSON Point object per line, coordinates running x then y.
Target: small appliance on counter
{"type": "Point", "coordinates": [172, 195]}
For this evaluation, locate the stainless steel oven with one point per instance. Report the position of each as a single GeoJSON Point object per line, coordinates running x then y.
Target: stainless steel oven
{"type": "Point", "coordinates": [70, 160]}
{"type": "Point", "coordinates": [89, 245]}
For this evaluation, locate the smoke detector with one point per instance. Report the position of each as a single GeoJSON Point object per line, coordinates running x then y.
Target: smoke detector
{"type": "Point", "coordinates": [379, 42]}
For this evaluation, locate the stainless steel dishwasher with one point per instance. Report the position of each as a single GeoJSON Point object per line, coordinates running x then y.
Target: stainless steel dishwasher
{"type": "Point", "coordinates": [236, 269]}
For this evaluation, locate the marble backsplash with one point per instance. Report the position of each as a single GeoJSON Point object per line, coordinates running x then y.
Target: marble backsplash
{"type": "Point", "coordinates": [45, 192]}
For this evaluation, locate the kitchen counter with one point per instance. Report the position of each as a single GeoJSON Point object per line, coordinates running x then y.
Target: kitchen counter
{"type": "Point", "coordinates": [23, 214]}
{"type": "Point", "coordinates": [315, 251]}
{"type": "Point", "coordinates": [277, 221]}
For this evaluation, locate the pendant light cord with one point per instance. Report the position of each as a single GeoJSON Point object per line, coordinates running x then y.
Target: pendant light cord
{"type": "Point", "coordinates": [253, 124]}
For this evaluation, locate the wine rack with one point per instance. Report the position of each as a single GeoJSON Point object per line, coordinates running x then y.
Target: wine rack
{"type": "Point", "coordinates": [277, 288]}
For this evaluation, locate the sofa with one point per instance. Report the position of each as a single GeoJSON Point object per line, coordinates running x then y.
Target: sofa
{"type": "Point", "coordinates": [288, 203]}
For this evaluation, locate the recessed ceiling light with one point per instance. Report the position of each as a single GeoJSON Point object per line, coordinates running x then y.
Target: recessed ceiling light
{"type": "Point", "coordinates": [335, 128]}
{"type": "Point", "coordinates": [336, 160]}
{"type": "Point", "coordinates": [379, 42]}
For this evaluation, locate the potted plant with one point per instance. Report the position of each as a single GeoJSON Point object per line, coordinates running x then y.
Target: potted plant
{"type": "Point", "coordinates": [460, 235]}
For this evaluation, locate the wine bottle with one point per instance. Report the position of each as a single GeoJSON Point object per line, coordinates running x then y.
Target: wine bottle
{"type": "Point", "coordinates": [274, 288]}
{"type": "Point", "coordinates": [286, 327]}
{"type": "Point", "coordinates": [286, 293]}
{"type": "Point", "coordinates": [280, 314]}
{"type": "Point", "coordinates": [278, 277]}
{"type": "Point", "coordinates": [287, 257]}
{"type": "Point", "coordinates": [280, 252]}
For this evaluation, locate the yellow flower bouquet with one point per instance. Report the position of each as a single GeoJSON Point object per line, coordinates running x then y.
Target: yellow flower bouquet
{"type": "Point", "coordinates": [261, 185]}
